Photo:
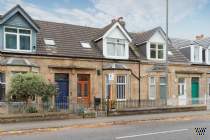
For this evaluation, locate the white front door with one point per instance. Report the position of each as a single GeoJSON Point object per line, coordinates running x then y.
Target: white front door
{"type": "Point", "coordinates": [182, 99]}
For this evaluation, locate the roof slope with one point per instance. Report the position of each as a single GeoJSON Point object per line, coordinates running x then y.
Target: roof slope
{"type": "Point", "coordinates": [179, 43]}
{"type": "Point", "coordinates": [68, 40]}
{"type": "Point", "coordinates": [139, 38]}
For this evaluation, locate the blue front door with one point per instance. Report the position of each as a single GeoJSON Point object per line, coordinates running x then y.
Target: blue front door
{"type": "Point", "coordinates": [62, 98]}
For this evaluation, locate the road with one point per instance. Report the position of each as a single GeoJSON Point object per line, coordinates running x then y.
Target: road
{"type": "Point", "coordinates": [169, 130]}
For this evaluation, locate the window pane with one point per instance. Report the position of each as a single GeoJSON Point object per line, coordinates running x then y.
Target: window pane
{"type": "Point", "coordinates": [110, 49]}
{"type": "Point", "coordinates": [152, 92]}
{"type": "Point", "coordinates": [25, 42]}
{"type": "Point", "coordinates": [160, 54]}
{"type": "Point", "coordinates": [2, 86]}
{"type": "Point", "coordinates": [24, 31]}
{"type": "Point", "coordinates": [162, 80]}
{"type": "Point", "coordinates": [11, 30]}
{"type": "Point", "coordinates": [121, 85]}
{"type": "Point", "coordinates": [209, 89]}
{"type": "Point", "coordinates": [2, 91]}
{"type": "Point", "coordinates": [2, 78]}
{"type": "Point", "coordinates": [208, 55]}
{"type": "Point", "coordinates": [160, 46]}
{"type": "Point", "coordinates": [11, 41]}
{"type": "Point", "coordinates": [152, 80]}
{"type": "Point", "coordinates": [86, 89]}
{"type": "Point", "coordinates": [152, 46]}
{"type": "Point", "coordinates": [79, 88]}
{"type": "Point", "coordinates": [196, 53]}
{"type": "Point", "coordinates": [181, 80]}
{"type": "Point", "coordinates": [120, 50]}
{"type": "Point", "coordinates": [152, 54]}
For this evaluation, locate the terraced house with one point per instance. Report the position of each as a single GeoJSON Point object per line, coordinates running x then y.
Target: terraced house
{"type": "Point", "coordinates": [88, 62]}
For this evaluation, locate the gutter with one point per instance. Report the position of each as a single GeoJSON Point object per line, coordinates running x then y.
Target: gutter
{"type": "Point", "coordinates": [63, 56]}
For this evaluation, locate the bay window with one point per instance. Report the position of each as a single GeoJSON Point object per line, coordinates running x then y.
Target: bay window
{"type": "Point", "coordinates": [17, 39]}
{"type": "Point", "coordinates": [157, 51]}
{"type": "Point", "coordinates": [116, 48]}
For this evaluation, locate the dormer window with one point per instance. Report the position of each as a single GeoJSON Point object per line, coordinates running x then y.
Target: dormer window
{"type": "Point", "coordinates": [157, 51]}
{"type": "Point", "coordinates": [17, 39]}
{"type": "Point", "coordinates": [196, 54]}
{"type": "Point", "coordinates": [117, 48]}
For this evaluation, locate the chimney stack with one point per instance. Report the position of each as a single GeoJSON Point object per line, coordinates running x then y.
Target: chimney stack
{"type": "Point", "coordinates": [199, 37]}
{"type": "Point", "coordinates": [120, 20]}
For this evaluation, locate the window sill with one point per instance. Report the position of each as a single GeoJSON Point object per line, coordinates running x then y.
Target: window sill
{"type": "Point", "coordinates": [121, 99]}
{"type": "Point", "coordinates": [115, 57]}
{"type": "Point", "coordinates": [18, 51]}
{"type": "Point", "coordinates": [153, 59]}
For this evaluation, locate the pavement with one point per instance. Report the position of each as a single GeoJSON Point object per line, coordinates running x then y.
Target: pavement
{"type": "Point", "coordinates": [30, 127]}
{"type": "Point", "coordinates": [181, 129]}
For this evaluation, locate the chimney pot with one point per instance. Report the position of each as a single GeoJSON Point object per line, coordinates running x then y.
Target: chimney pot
{"type": "Point", "coordinates": [199, 37]}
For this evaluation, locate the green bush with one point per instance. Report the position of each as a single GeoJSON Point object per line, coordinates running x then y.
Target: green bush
{"type": "Point", "coordinates": [31, 109]}
{"type": "Point", "coordinates": [27, 86]}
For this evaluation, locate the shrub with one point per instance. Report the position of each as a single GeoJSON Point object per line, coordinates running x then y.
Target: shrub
{"type": "Point", "coordinates": [31, 109]}
{"type": "Point", "coordinates": [27, 86]}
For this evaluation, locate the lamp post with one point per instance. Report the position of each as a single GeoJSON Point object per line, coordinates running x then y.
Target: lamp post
{"type": "Point", "coordinates": [167, 44]}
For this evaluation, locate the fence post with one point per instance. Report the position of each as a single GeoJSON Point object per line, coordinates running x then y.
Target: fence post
{"type": "Point", "coordinates": [107, 110]}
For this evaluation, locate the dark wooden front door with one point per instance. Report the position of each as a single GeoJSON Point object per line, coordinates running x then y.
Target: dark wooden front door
{"type": "Point", "coordinates": [83, 89]}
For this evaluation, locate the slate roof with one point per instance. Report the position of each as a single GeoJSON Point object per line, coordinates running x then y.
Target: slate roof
{"type": "Point", "coordinates": [141, 38]}
{"type": "Point", "coordinates": [17, 62]}
{"type": "Point", "coordinates": [179, 43]}
{"type": "Point", "coordinates": [205, 42]}
{"type": "Point", "coordinates": [68, 40]}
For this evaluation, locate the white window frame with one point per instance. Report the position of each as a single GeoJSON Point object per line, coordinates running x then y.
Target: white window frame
{"type": "Point", "coordinates": [18, 38]}
{"type": "Point", "coordinates": [207, 56]}
{"type": "Point", "coordinates": [180, 86]}
{"type": "Point", "coordinates": [152, 84]}
{"type": "Point", "coordinates": [156, 50]}
{"type": "Point", "coordinates": [125, 83]}
{"type": "Point", "coordinates": [193, 54]}
{"type": "Point", "coordinates": [126, 45]}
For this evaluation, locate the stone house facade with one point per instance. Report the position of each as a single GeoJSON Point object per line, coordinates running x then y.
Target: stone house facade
{"type": "Point", "coordinates": [87, 62]}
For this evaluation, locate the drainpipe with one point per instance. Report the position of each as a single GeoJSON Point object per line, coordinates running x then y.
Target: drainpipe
{"type": "Point", "coordinates": [139, 83]}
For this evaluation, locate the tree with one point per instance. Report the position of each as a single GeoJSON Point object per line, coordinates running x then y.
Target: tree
{"type": "Point", "coordinates": [28, 85]}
